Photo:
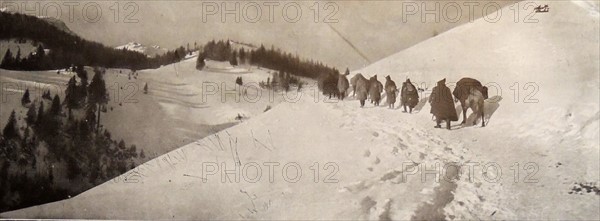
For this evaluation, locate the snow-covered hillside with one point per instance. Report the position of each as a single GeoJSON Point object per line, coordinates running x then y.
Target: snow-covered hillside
{"type": "Point", "coordinates": [150, 51]}
{"type": "Point", "coordinates": [533, 160]}
{"type": "Point", "coordinates": [172, 114]}
{"type": "Point", "coordinates": [546, 71]}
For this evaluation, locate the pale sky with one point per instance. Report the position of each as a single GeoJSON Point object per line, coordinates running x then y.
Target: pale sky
{"type": "Point", "coordinates": [340, 33]}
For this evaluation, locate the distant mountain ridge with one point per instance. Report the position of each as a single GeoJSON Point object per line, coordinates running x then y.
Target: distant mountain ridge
{"type": "Point", "coordinates": [57, 23]}
{"type": "Point", "coordinates": [150, 51]}
{"type": "Point", "coordinates": [53, 21]}
{"type": "Point", "coordinates": [67, 48]}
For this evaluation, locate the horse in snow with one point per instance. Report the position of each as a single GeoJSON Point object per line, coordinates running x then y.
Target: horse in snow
{"type": "Point", "coordinates": [471, 94]}
{"type": "Point", "coordinates": [343, 85]}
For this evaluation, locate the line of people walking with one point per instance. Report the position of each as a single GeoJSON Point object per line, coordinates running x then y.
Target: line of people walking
{"type": "Point", "coordinates": [469, 92]}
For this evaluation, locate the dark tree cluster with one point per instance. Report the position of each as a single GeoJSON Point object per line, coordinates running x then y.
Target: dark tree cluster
{"type": "Point", "coordinates": [275, 59]}
{"type": "Point", "coordinates": [281, 81]}
{"type": "Point", "coordinates": [272, 58]}
{"type": "Point", "coordinates": [218, 51]}
{"type": "Point", "coordinates": [52, 146]}
{"type": "Point", "coordinates": [66, 49]}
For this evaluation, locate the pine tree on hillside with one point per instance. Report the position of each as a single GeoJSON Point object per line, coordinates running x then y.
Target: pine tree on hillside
{"type": "Point", "coordinates": [39, 60]}
{"type": "Point", "coordinates": [71, 98]}
{"type": "Point", "coordinates": [25, 99]}
{"type": "Point", "coordinates": [239, 81]}
{"type": "Point", "coordinates": [284, 81]}
{"type": "Point", "coordinates": [7, 61]}
{"type": "Point", "coordinates": [90, 119]}
{"type": "Point", "coordinates": [83, 76]}
{"type": "Point", "coordinates": [55, 107]}
{"type": "Point", "coordinates": [39, 52]}
{"type": "Point", "coordinates": [31, 115]}
{"type": "Point", "coordinates": [200, 62]}
{"type": "Point", "coordinates": [40, 115]}
{"type": "Point", "coordinates": [97, 94]}
{"type": "Point", "coordinates": [47, 95]}
{"type": "Point", "coordinates": [233, 59]}
{"type": "Point", "coordinates": [242, 54]}
{"type": "Point", "coordinates": [25, 137]}
{"type": "Point", "coordinates": [10, 130]}
{"type": "Point", "coordinates": [146, 88]}
{"type": "Point", "coordinates": [347, 72]}
{"type": "Point", "coordinates": [17, 59]}
{"type": "Point", "coordinates": [73, 169]}
{"type": "Point", "coordinates": [133, 152]}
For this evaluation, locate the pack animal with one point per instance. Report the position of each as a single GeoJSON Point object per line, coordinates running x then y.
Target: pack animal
{"type": "Point", "coordinates": [471, 94]}
{"type": "Point", "coordinates": [343, 85]}
{"type": "Point", "coordinates": [328, 84]}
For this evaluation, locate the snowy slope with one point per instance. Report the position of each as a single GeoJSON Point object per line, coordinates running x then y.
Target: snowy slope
{"type": "Point", "coordinates": [553, 61]}
{"type": "Point", "coordinates": [174, 101]}
{"type": "Point", "coordinates": [375, 150]}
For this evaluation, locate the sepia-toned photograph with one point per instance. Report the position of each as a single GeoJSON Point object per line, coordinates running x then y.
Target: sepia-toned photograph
{"type": "Point", "coordinates": [299, 110]}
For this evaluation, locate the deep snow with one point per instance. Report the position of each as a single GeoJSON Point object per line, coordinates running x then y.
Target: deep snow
{"type": "Point", "coordinates": [542, 149]}
{"type": "Point", "coordinates": [173, 112]}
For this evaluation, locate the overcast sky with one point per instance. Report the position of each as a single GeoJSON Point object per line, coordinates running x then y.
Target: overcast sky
{"type": "Point", "coordinates": [341, 33]}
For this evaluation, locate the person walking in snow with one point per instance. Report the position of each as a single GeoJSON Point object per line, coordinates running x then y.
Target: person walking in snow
{"type": "Point", "coordinates": [390, 91]}
{"type": "Point", "coordinates": [409, 96]}
{"type": "Point", "coordinates": [442, 104]}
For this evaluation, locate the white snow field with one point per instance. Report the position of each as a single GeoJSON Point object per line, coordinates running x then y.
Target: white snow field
{"type": "Point", "coordinates": [173, 112]}
{"type": "Point", "coordinates": [377, 163]}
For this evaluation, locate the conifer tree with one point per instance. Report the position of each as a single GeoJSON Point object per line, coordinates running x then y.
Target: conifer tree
{"type": "Point", "coordinates": [17, 59]}
{"type": "Point", "coordinates": [55, 107]}
{"type": "Point", "coordinates": [10, 130]}
{"type": "Point", "coordinates": [200, 62]}
{"type": "Point", "coordinates": [242, 54]}
{"type": "Point", "coordinates": [31, 115]}
{"type": "Point", "coordinates": [90, 117]}
{"type": "Point", "coordinates": [97, 94]}
{"type": "Point", "coordinates": [25, 99]}
{"type": "Point", "coordinates": [7, 61]}
{"type": "Point", "coordinates": [40, 115]}
{"type": "Point", "coordinates": [71, 98]}
{"type": "Point", "coordinates": [233, 59]}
